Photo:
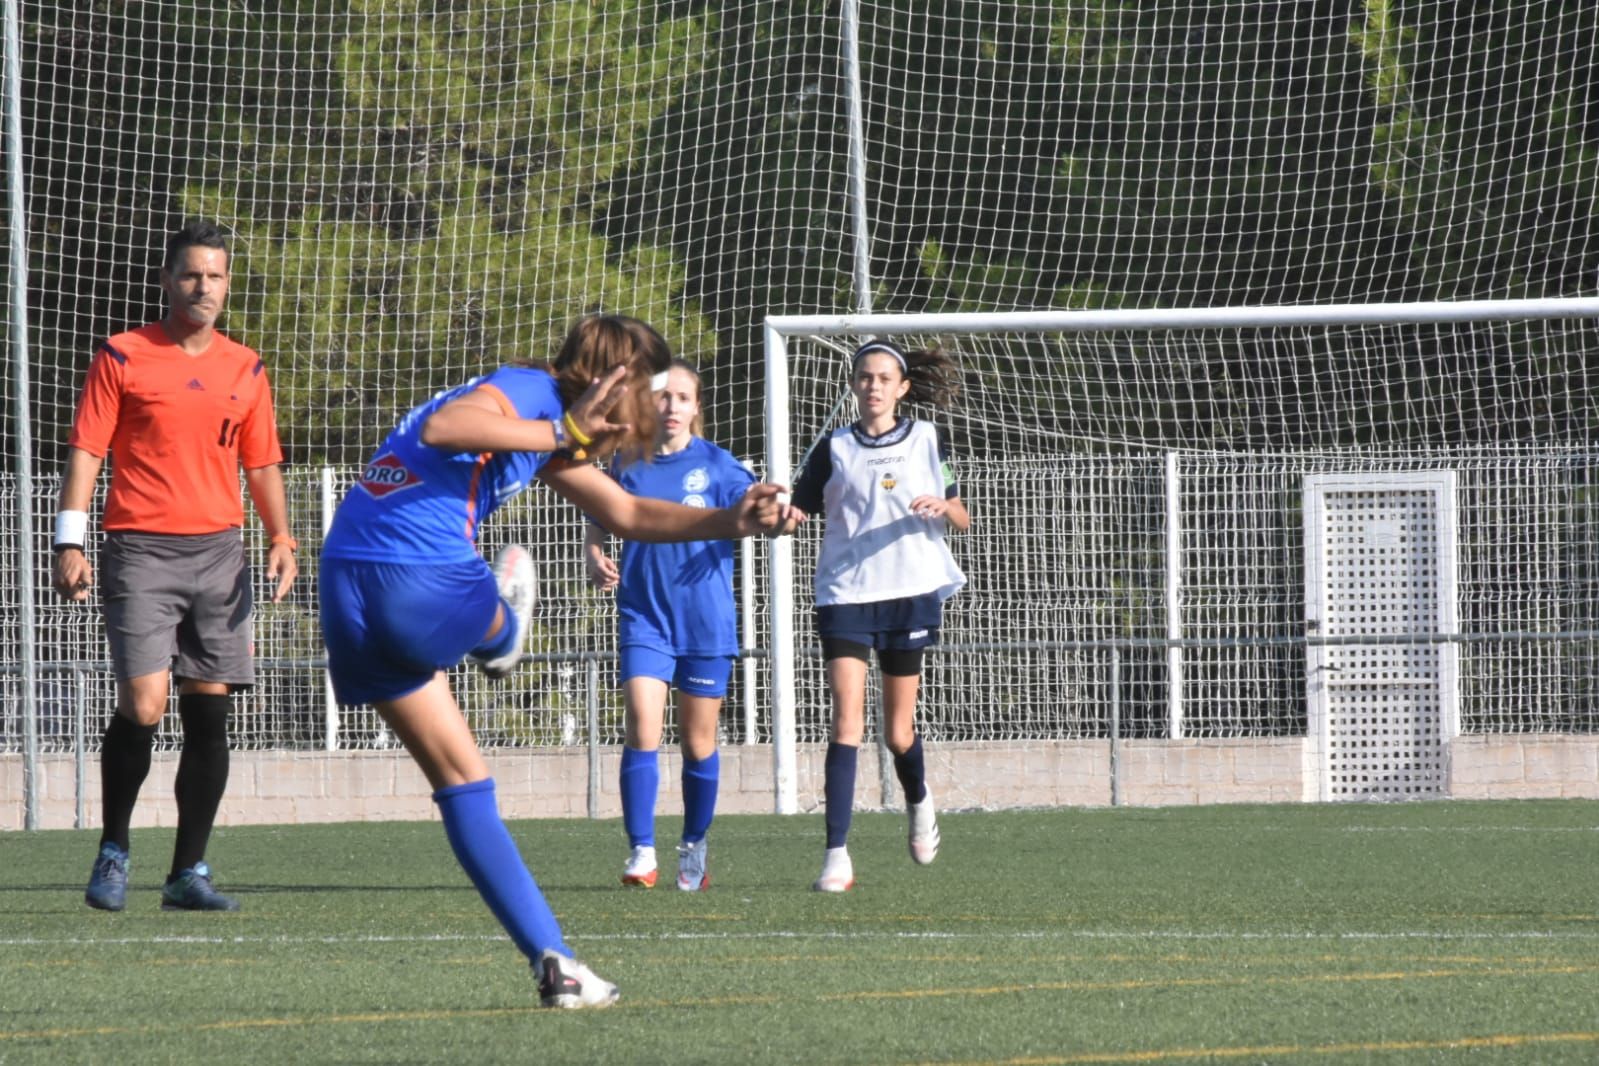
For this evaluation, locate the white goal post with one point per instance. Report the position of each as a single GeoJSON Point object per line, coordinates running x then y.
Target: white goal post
{"type": "Point", "coordinates": [1377, 395]}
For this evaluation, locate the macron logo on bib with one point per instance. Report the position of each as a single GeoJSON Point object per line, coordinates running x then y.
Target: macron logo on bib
{"type": "Point", "coordinates": [386, 474]}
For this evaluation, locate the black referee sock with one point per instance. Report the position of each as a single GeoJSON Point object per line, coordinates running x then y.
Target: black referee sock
{"type": "Point", "coordinates": [202, 774]}
{"type": "Point", "coordinates": [124, 764]}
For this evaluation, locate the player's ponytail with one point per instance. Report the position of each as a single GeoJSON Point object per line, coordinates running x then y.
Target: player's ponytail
{"type": "Point", "coordinates": [934, 376]}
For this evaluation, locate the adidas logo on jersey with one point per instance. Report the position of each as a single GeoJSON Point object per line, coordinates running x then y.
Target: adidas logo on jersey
{"type": "Point", "coordinates": [194, 383]}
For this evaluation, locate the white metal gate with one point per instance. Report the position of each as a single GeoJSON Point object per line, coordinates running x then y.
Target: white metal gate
{"type": "Point", "coordinates": [1380, 561]}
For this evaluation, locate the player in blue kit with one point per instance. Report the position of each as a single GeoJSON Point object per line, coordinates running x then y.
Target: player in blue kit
{"type": "Point", "coordinates": [882, 576]}
{"type": "Point", "coordinates": [676, 627]}
{"type": "Point", "coordinates": [405, 594]}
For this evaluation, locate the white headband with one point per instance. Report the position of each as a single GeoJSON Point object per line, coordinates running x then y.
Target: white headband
{"type": "Point", "coordinates": [658, 382]}
{"type": "Point", "coordinates": [881, 346]}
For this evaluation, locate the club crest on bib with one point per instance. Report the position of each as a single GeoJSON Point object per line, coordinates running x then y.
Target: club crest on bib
{"type": "Point", "coordinates": [696, 480]}
{"type": "Point", "coordinates": [386, 474]}
{"type": "Point", "coordinates": [694, 499]}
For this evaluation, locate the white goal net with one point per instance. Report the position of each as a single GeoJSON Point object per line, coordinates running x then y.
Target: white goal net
{"type": "Point", "coordinates": [1137, 560]}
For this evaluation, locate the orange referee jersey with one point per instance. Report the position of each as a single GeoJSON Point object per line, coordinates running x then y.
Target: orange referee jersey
{"type": "Point", "coordinates": [177, 427]}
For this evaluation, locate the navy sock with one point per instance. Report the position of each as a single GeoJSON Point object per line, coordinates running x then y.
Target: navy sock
{"type": "Point", "coordinates": [485, 850]}
{"type": "Point", "coordinates": [700, 780]}
{"type": "Point", "coordinates": [639, 780]}
{"type": "Point", "coordinates": [124, 764]}
{"type": "Point", "coordinates": [839, 790]}
{"type": "Point", "coordinates": [912, 772]}
{"type": "Point", "coordinates": [202, 775]}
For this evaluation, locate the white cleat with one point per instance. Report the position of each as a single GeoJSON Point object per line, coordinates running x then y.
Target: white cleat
{"type": "Point", "coordinates": [692, 876]}
{"type": "Point", "coordinates": [518, 584]}
{"type": "Point", "coordinates": [838, 873]}
{"type": "Point", "coordinates": [566, 983]}
{"type": "Point", "coordinates": [923, 830]}
{"type": "Point", "coordinates": [640, 871]}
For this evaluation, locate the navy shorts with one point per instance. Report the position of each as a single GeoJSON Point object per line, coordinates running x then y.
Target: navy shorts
{"type": "Point", "coordinates": [390, 627]}
{"type": "Point", "coordinates": [905, 624]}
{"type": "Point", "coordinates": [692, 675]}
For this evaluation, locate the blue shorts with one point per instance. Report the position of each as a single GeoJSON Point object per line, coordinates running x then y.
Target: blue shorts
{"type": "Point", "coordinates": [692, 675]}
{"type": "Point", "coordinates": [389, 627]}
{"type": "Point", "coordinates": [905, 624]}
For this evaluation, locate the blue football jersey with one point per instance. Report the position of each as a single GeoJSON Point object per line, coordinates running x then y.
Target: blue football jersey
{"type": "Point", "coordinates": [415, 503]}
{"type": "Point", "coordinates": [679, 597]}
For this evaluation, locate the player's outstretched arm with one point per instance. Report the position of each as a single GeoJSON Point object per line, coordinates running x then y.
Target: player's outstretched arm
{"type": "Point", "coordinates": [789, 519]}
{"type": "Point", "coordinates": [475, 422]}
{"type": "Point", "coordinates": [640, 518]}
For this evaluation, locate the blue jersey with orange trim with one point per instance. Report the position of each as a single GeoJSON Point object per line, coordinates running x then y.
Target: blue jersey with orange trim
{"type": "Point", "coordinates": [679, 597]}
{"type": "Point", "coordinates": [415, 503]}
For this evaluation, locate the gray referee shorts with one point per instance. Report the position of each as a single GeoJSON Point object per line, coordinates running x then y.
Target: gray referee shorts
{"type": "Point", "coordinates": [179, 602]}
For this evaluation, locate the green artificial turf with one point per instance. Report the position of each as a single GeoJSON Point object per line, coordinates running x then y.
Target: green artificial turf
{"type": "Point", "coordinates": [1416, 933]}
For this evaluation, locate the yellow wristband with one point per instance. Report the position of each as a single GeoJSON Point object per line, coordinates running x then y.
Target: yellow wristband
{"type": "Point", "coordinates": [284, 538]}
{"type": "Point", "coordinates": [572, 431]}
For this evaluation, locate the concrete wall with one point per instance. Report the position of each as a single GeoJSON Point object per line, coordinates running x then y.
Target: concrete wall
{"type": "Point", "coordinates": [280, 787]}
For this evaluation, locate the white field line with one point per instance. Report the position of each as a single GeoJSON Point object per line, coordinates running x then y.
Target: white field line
{"type": "Point", "coordinates": [784, 935]}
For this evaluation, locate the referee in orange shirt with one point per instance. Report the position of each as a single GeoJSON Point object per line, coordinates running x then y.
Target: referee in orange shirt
{"type": "Point", "coordinates": [179, 408]}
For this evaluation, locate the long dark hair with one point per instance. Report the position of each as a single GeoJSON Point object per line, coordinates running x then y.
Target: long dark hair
{"type": "Point", "coordinates": [934, 375]}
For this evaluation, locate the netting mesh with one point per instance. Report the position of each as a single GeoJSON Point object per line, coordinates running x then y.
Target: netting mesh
{"type": "Point", "coordinates": [1079, 454]}
{"type": "Point", "coordinates": [417, 191]}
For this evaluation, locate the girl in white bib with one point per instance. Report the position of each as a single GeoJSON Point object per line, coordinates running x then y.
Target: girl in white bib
{"type": "Point", "coordinates": [884, 486]}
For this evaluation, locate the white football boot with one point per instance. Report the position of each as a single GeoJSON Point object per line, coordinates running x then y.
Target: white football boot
{"type": "Point", "coordinates": [923, 829]}
{"type": "Point", "coordinates": [513, 573]}
{"type": "Point", "coordinates": [838, 873]}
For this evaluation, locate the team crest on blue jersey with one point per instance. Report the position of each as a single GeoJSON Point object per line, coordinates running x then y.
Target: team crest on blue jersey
{"type": "Point", "coordinates": [696, 480]}
{"type": "Point", "coordinates": [387, 474]}
{"type": "Point", "coordinates": [694, 499]}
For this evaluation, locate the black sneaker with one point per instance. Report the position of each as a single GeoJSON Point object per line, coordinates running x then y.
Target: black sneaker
{"type": "Point", "coordinates": [191, 891]}
{"type": "Point", "coordinates": [565, 982]}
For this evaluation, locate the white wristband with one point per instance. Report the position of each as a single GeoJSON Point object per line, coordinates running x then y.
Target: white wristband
{"type": "Point", "coordinates": [72, 528]}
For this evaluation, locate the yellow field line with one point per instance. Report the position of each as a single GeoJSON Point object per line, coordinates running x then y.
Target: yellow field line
{"type": "Point", "coordinates": [1277, 1051]}
{"type": "Point", "coordinates": [1203, 982]}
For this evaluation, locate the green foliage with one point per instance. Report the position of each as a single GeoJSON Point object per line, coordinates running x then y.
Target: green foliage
{"type": "Point", "coordinates": [443, 159]}
{"type": "Point", "coordinates": [421, 189]}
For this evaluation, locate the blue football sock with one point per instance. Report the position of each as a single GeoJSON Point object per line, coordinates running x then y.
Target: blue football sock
{"type": "Point", "coordinates": [912, 772]}
{"type": "Point", "coordinates": [639, 781]}
{"type": "Point", "coordinates": [485, 850]}
{"type": "Point", "coordinates": [501, 642]}
{"type": "Point", "coordinates": [700, 780]}
{"type": "Point", "coordinates": [839, 790]}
